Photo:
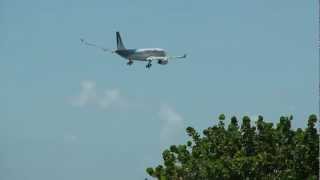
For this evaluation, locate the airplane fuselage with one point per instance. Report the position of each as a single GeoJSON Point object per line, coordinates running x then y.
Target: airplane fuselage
{"type": "Point", "coordinates": [141, 54]}
{"type": "Point", "coordinates": [147, 54]}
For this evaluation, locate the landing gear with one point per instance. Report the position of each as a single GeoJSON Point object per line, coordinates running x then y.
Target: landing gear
{"type": "Point", "coordinates": [149, 65]}
{"type": "Point", "coordinates": [130, 62]}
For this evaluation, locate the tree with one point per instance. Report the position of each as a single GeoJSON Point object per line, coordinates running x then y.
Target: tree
{"type": "Point", "coordinates": [262, 151]}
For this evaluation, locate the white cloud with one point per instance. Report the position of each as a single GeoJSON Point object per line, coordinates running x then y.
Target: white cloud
{"type": "Point", "coordinates": [90, 96]}
{"type": "Point", "coordinates": [87, 94]}
{"type": "Point", "coordinates": [70, 138]}
{"type": "Point", "coordinates": [109, 98]}
{"type": "Point", "coordinates": [172, 123]}
{"type": "Point", "coordinates": [172, 126]}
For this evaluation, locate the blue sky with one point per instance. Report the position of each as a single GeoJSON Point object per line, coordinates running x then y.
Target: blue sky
{"type": "Point", "coordinates": [71, 112]}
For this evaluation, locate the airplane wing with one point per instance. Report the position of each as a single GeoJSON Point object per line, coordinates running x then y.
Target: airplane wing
{"type": "Point", "coordinates": [96, 46]}
{"type": "Point", "coordinates": [178, 57]}
{"type": "Point", "coordinates": [165, 58]}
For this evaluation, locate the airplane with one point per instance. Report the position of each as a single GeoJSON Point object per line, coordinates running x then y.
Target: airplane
{"type": "Point", "coordinates": [146, 54]}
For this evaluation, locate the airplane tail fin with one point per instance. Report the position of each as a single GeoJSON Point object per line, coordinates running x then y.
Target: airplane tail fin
{"type": "Point", "coordinates": [119, 42]}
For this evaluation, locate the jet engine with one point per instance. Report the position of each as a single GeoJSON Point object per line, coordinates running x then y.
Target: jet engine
{"type": "Point", "coordinates": [162, 62]}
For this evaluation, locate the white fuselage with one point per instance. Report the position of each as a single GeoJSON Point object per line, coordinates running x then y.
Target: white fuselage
{"type": "Point", "coordinates": [141, 54]}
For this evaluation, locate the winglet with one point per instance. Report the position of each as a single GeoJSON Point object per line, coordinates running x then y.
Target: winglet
{"type": "Point", "coordinates": [181, 57]}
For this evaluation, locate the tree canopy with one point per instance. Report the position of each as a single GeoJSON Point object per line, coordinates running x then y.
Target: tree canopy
{"type": "Point", "coordinates": [246, 151]}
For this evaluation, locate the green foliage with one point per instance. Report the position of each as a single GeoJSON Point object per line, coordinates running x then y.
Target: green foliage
{"type": "Point", "coordinates": [246, 152]}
